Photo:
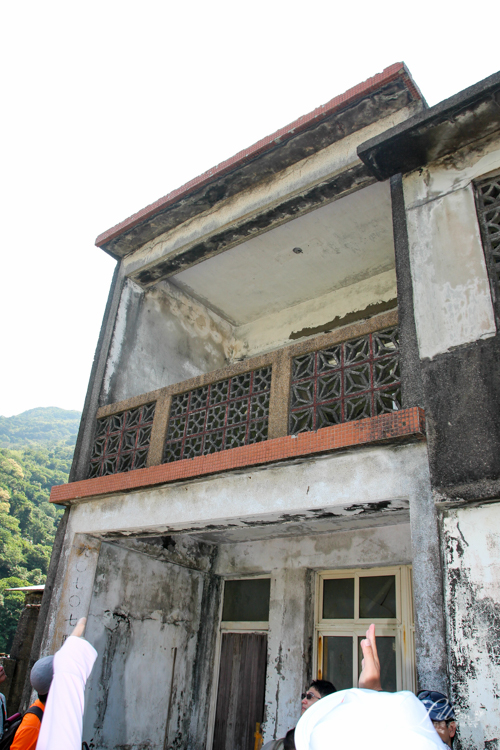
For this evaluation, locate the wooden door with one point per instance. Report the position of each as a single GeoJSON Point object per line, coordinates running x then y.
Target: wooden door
{"type": "Point", "coordinates": [240, 696]}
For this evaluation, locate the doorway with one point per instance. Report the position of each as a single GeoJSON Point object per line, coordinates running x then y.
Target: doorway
{"type": "Point", "coordinates": [240, 695]}
{"type": "Point", "coordinates": [239, 705]}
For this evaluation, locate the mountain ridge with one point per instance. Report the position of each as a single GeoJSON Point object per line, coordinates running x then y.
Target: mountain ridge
{"type": "Point", "coordinates": [38, 426]}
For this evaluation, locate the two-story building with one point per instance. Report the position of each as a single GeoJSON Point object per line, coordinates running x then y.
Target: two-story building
{"type": "Point", "coordinates": [292, 430]}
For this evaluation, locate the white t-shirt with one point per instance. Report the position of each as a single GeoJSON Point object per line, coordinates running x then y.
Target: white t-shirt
{"type": "Point", "coordinates": [367, 720]}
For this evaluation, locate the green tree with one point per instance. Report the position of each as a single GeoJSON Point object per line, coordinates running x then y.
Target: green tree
{"type": "Point", "coordinates": [28, 521]}
{"type": "Point", "coordinates": [11, 606]}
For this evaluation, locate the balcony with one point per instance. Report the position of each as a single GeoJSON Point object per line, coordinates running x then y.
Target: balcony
{"type": "Point", "coordinates": [335, 391]}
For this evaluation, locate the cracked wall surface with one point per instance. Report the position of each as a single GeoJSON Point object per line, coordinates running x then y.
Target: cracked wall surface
{"type": "Point", "coordinates": [145, 622]}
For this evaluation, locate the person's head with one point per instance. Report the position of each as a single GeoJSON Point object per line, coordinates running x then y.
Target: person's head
{"type": "Point", "coordinates": [316, 690]}
{"type": "Point", "coordinates": [440, 713]}
{"type": "Point", "coordinates": [41, 676]}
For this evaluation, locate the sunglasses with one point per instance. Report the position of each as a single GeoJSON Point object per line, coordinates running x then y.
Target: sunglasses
{"type": "Point", "coordinates": [309, 696]}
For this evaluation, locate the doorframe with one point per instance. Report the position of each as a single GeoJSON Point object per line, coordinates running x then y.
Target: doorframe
{"type": "Point", "coordinates": [229, 627]}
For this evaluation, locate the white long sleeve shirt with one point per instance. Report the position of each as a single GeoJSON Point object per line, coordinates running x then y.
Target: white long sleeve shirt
{"type": "Point", "coordinates": [62, 722]}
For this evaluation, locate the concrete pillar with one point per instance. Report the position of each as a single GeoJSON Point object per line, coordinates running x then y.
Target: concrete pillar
{"type": "Point", "coordinates": [203, 666]}
{"type": "Point", "coordinates": [408, 345]}
{"type": "Point", "coordinates": [73, 591]}
{"type": "Point", "coordinates": [286, 668]}
{"type": "Point", "coordinates": [430, 640]}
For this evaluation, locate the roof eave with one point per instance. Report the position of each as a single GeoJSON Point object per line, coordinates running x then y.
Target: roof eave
{"type": "Point", "coordinates": [462, 119]}
{"type": "Point", "coordinates": [123, 238]}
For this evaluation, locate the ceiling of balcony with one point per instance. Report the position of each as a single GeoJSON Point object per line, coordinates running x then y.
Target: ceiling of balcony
{"type": "Point", "coordinates": [342, 243]}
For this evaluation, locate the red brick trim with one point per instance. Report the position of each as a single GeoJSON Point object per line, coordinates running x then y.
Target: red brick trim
{"type": "Point", "coordinates": [397, 70]}
{"type": "Point", "coordinates": [400, 424]}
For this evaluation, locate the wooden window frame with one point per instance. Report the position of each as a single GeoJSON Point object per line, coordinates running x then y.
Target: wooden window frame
{"type": "Point", "coordinates": [402, 627]}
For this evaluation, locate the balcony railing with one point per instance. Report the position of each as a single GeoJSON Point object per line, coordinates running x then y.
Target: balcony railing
{"type": "Point", "coordinates": [343, 376]}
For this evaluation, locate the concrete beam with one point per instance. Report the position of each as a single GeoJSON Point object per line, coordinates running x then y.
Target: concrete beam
{"type": "Point", "coordinates": [468, 116]}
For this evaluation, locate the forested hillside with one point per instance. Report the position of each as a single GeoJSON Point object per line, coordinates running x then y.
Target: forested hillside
{"type": "Point", "coordinates": [39, 426]}
{"type": "Point", "coordinates": [41, 445]}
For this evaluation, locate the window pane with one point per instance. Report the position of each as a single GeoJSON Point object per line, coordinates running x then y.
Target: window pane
{"type": "Point", "coordinates": [377, 597]}
{"type": "Point", "coordinates": [246, 601]}
{"type": "Point", "coordinates": [338, 598]}
{"type": "Point", "coordinates": [337, 660]}
{"type": "Point", "coordinates": [386, 648]}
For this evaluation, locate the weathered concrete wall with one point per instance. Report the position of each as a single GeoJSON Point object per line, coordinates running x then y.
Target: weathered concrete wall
{"type": "Point", "coordinates": [451, 289]}
{"type": "Point", "coordinates": [463, 420]}
{"type": "Point", "coordinates": [322, 313]}
{"type": "Point", "coordinates": [144, 620]}
{"type": "Point", "coordinates": [471, 552]}
{"type": "Point", "coordinates": [161, 337]}
{"type": "Point", "coordinates": [72, 589]}
{"type": "Point", "coordinates": [455, 323]}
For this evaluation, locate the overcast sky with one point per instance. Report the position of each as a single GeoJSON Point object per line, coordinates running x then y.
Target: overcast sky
{"type": "Point", "coordinates": [109, 105]}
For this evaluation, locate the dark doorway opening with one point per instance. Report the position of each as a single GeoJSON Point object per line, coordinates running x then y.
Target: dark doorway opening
{"type": "Point", "coordinates": [240, 696]}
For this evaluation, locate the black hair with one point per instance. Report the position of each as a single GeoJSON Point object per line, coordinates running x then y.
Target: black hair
{"type": "Point", "coordinates": [289, 741]}
{"type": "Point", "coordinates": [323, 687]}
{"type": "Point", "coordinates": [42, 698]}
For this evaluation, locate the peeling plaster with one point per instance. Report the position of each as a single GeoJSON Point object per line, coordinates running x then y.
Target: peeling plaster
{"type": "Point", "coordinates": [275, 330]}
{"type": "Point", "coordinates": [471, 552]}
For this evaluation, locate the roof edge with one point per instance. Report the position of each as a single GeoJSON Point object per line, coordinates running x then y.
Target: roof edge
{"type": "Point", "coordinates": [397, 70]}
{"type": "Point", "coordinates": [403, 148]}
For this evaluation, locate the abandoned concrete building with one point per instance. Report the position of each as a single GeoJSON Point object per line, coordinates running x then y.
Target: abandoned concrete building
{"type": "Point", "coordinates": [292, 430]}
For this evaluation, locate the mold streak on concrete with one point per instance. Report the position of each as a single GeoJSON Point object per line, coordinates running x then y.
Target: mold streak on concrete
{"type": "Point", "coordinates": [471, 552]}
{"type": "Point", "coordinates": [394, 100]}
{"type": "Point", "coordinates": [139, 617]}
{"type": "Point", "coordinates": [162, 337]}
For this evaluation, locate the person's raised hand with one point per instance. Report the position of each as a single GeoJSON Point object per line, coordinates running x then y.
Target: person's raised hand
{"type": "Point", "coordinates": [370, 674]}
{"type": "Point", "coordinates": [80, 627]}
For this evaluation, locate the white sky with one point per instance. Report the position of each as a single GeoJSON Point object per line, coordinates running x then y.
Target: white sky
{"type": "Point", "coordinates": [109, 105]}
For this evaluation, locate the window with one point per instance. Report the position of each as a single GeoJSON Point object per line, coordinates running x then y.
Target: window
{"type": "Point", "coordinates": [347, 602]}
{"type": "Point", "coordinates": [354, 380]}
{"type": "Point", "coordinates": [246, 600]}
{"type": "Point", "coordinates": [488, 209]}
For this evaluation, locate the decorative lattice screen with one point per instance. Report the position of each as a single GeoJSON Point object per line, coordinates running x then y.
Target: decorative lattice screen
{"type": "Point", "coordinates": [122, 441]}
{"type": "Point", "coordinates": [353, 380]}
{"type": "Point", "coordinates": [219, 416]}
{"type": "Point", "coordinates": [488, 208]}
